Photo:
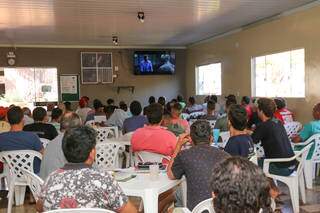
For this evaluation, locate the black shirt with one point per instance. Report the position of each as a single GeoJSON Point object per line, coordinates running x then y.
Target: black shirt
{"type": "Point", "coordinates": [274, 140]}
{"type": "Point", "coordinates": [240, 145]}
{"type": "Point", "coordinates": [196, 164]}
{"type": "Point", "coordinates": [43, 130]}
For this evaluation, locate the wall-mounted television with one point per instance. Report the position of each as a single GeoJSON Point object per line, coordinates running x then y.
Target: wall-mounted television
{"type": "Point", "coordinates": [154, 62]}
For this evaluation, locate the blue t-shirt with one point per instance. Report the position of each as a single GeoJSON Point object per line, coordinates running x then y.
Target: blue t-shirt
{"type": "Point", "coordinates": [133, 123]}
{"type": "Point", "coordinates": [310, 129]}
{"type": "Point", "coordinates": [240, 145]}
{"type": "Point", "coordinates": [21, 140]}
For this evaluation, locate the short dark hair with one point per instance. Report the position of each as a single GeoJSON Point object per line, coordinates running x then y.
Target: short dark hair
{"type": "Point", "coordinates": [110, 101]}
{"type": "Point", "coordinates": [162, 100]}
{"type": "Point", "coordinates": [77, 143]}
{"type": "Point", "coordinates": [200, 132]}
{"type": "Point", "coordinates": [245, 99]}
{"type": "Point", "coordinates": [152, 100]}
{"type": "Point", "coordinates": [237, 116]}
{"type": "Point", "coordinates": [267, 106]}
{"type": "Point", "coordinates": [56, 113]}
{"type": "Point", "coordinates": [211, 105]}
{"type": "Point", "coordinates": [154, 113]}
{"type": "Point", "coordinates": [109, 109]}
{"type": "Point", "coordinates": [239, 186]}
{"type": "Point", "coordinates": [214, 98]}
{"type": "Point", "coordinates": [67, 104]}
{"type": "Point", "coordinates": [39, 113]}
{"type": "Point", "coordinates": [180, 98]}
{"type": "Point", "coordinates": [192, 100]}
{"type": "Point", "coordinates": [135, 108]}
{"type": "Point", "coordinates": [97, 104]}
{"type": "Point", "coordinates": [14, 115]}
{"type": "Point", "coordinates": [177, 106]}
{"type": "Point", "coordinates": [123, 106]}
{"type": "Point", "coordinates": [229, 102]}
{"type": "Point", "coordinates": [280, 103]}
{"type": "Point", "coordinates": [70, 120]}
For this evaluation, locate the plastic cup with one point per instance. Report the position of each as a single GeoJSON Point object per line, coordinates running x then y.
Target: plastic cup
{"type": "Point", "coordinates": [154, 171]}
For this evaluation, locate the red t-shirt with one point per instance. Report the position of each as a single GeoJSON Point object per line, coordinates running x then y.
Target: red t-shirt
{"type": "Point", "coordinates": [154, 139]}
{"type": "Point", "coordinates": [284, 115]}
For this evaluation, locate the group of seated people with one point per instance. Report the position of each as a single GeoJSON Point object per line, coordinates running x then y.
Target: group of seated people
{"type": "Point", "coordinates": [70, 180]}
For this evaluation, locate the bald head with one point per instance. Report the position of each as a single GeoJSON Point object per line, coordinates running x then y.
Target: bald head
{"type": "Point", "coordinates": [70, 120]}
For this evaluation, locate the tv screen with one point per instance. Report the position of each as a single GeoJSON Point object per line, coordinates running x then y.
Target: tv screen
{"type": "Point", "coordinates": [154, 62]}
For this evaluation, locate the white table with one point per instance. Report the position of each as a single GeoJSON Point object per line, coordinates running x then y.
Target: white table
{"type": "Point", "coordinates": [149, 190]}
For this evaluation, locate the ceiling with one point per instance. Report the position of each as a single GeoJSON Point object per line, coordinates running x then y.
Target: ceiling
{"type": "Point", "coordinates": [94, 22]}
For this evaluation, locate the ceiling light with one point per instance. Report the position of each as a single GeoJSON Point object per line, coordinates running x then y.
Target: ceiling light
{"type": "Point", "coordinates": [141, 16]}
{"type": "Point", "coordinates": [115, 40]}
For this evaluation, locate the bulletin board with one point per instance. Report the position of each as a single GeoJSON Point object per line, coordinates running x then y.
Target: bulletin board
{"type": "Point", "coordinates": [69, 88]}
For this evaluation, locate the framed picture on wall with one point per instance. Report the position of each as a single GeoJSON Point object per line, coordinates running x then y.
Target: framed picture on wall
{"type": "Point", "coordinates": [96, 67]}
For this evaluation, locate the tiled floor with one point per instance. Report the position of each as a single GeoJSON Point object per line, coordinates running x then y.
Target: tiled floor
{"type": "Point", "coordinates": [312, 205]}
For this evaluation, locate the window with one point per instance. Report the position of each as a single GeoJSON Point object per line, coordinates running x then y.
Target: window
{"type": "Point", "coordinates": [279, 75]}
{"type": "Point", "coordinates": [24, 86]}
{"type": "Point", "coordinates": [208, 79]}
{"type": "Point", "coordinates": [96, 67]}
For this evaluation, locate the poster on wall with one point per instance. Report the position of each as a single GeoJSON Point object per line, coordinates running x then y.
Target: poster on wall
{"type": "Point", "coordinates": [69, 87]}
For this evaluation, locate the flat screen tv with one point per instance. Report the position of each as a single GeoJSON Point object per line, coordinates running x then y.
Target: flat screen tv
{"type": "Point", "coordinates": [154, 62]}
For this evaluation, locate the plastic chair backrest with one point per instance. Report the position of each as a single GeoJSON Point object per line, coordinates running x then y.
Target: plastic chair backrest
{"type": "Point", "coordinates": [292, 128]}
{"type": "Point", "coordinates": [90, 123]}
{"type": "Point", "coordinates": [44, 142]}
{"type": "Point", "coordinates": [259, 150]}
{"type": "Point", "coordinates": [81, 210]}
{"type": "Point", "coordinates": [104, 133]}
{"type": "Point", "coordinates": [20, 159]}
{"type": "Point", "coordinates": [34, 182]}
{"type": "Point", "coordinates": [205, 205]}
{"type": "Point", "coordinates": [212, 123]}
{"type": "Point", "coordinates": [254, 159]}
{"type": "Point", "coordinates": [107, 155]}
{"type": "Point", "coordinates": [144, 156]}
{"type": "Point", "coordinates": [301, 156]}
{"type": "Point", "coordinates": [225, 136]}
{"type": "Point", "coordinates": [316, 139]}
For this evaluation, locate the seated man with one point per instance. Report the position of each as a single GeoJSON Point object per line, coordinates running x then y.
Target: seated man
{"type": "Point", "coordinates": [240, 143]}
{"type": "Point", "coordinates": [53, 157]}
{"type": "Point", "coordinates": [98, 110]}
{"type": "Point", "coordinates": [282, 113]}
{"type": "Point", "coordinates": [136, 121]}
{"type": "Point", "coordinates": [196, 163]}
{"type": "Point", "coordinates": [16, 139]}
{"type": "Point", "coordinates": [40, 125]}
{"type": "Point", "coordinates": [77, 184]}
{"type": "Point", "coordinates": [274, 139]}
{"type": "Point", "coordinates": [116, 118]}
{"type": "Point", "coordinates": [222, 122]}
{"type": "Point", "coordinates": [176, 123]}
{"type": "Point", "coordinates": [193, 107]}
{"type": "Point", "coordinates": [56, 116]}
{"type": "Point", "coordinates": [151, 100]}
{"type": "Point", "coordinates": [238, 185]}
{"type": "Point", "coordinates": [210, 111]}
{"type": "Point", "coordinates": [152, 137]}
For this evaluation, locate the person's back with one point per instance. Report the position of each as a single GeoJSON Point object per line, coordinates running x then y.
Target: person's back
{"type": "Point", "coordinates": [282, 113]}
{"type": "Point", "coordinates": [16, 139]}
{"type": "Point", "coordinates": [196, 163]}
{"type": "Point", "coordinates": [240, 143]}
{"type": "Point", "coordinates": [117, 118]}
{"type": "Point", "coordinates": [136, 121]}
{"type": "Point", "coordinates": [77, 184]}
{"type": "Point", "coordinates": [153, 137]}
{"type": "Point", "coordinates": [40, 127]}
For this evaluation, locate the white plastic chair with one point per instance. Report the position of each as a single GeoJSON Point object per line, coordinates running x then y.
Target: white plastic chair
{"type": "Point", "coordinates": [310, 165]}
{"type": "Point", "coordinates": [259, 150]}
{"type": "Point", "coordinates": [44, 142]}
{"type": "Point", "coordinates": [144, 156]}
{"type": "Point", "coordinates": [104, 133]}
{"type": "Point", "coordinates": [224, 137]}
{"type": "Point", "coordinates": [296, 180]}
{"type": "Point", "coordinates": [81, 210]}
{"type": "Point", "coordinates": [34, 182]}
{"type": "Point", "coordinates": [292, 128]}
{"type": "Point", "coordinates": [107, 155]}
{"type": "Point", "coordinates": [254, 159]}
{"type": "Point", "coordinates": [90, 123]}
{"type": "Point", "coordinates": [212, 123]}
{"type": "Point", "coordinates": [203, 206]}
{"type": "Point", "coordinates": [16, 161]}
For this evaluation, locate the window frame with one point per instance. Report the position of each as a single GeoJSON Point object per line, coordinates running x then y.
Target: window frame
{"type": "Point", "coordinates": [253, 72]}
